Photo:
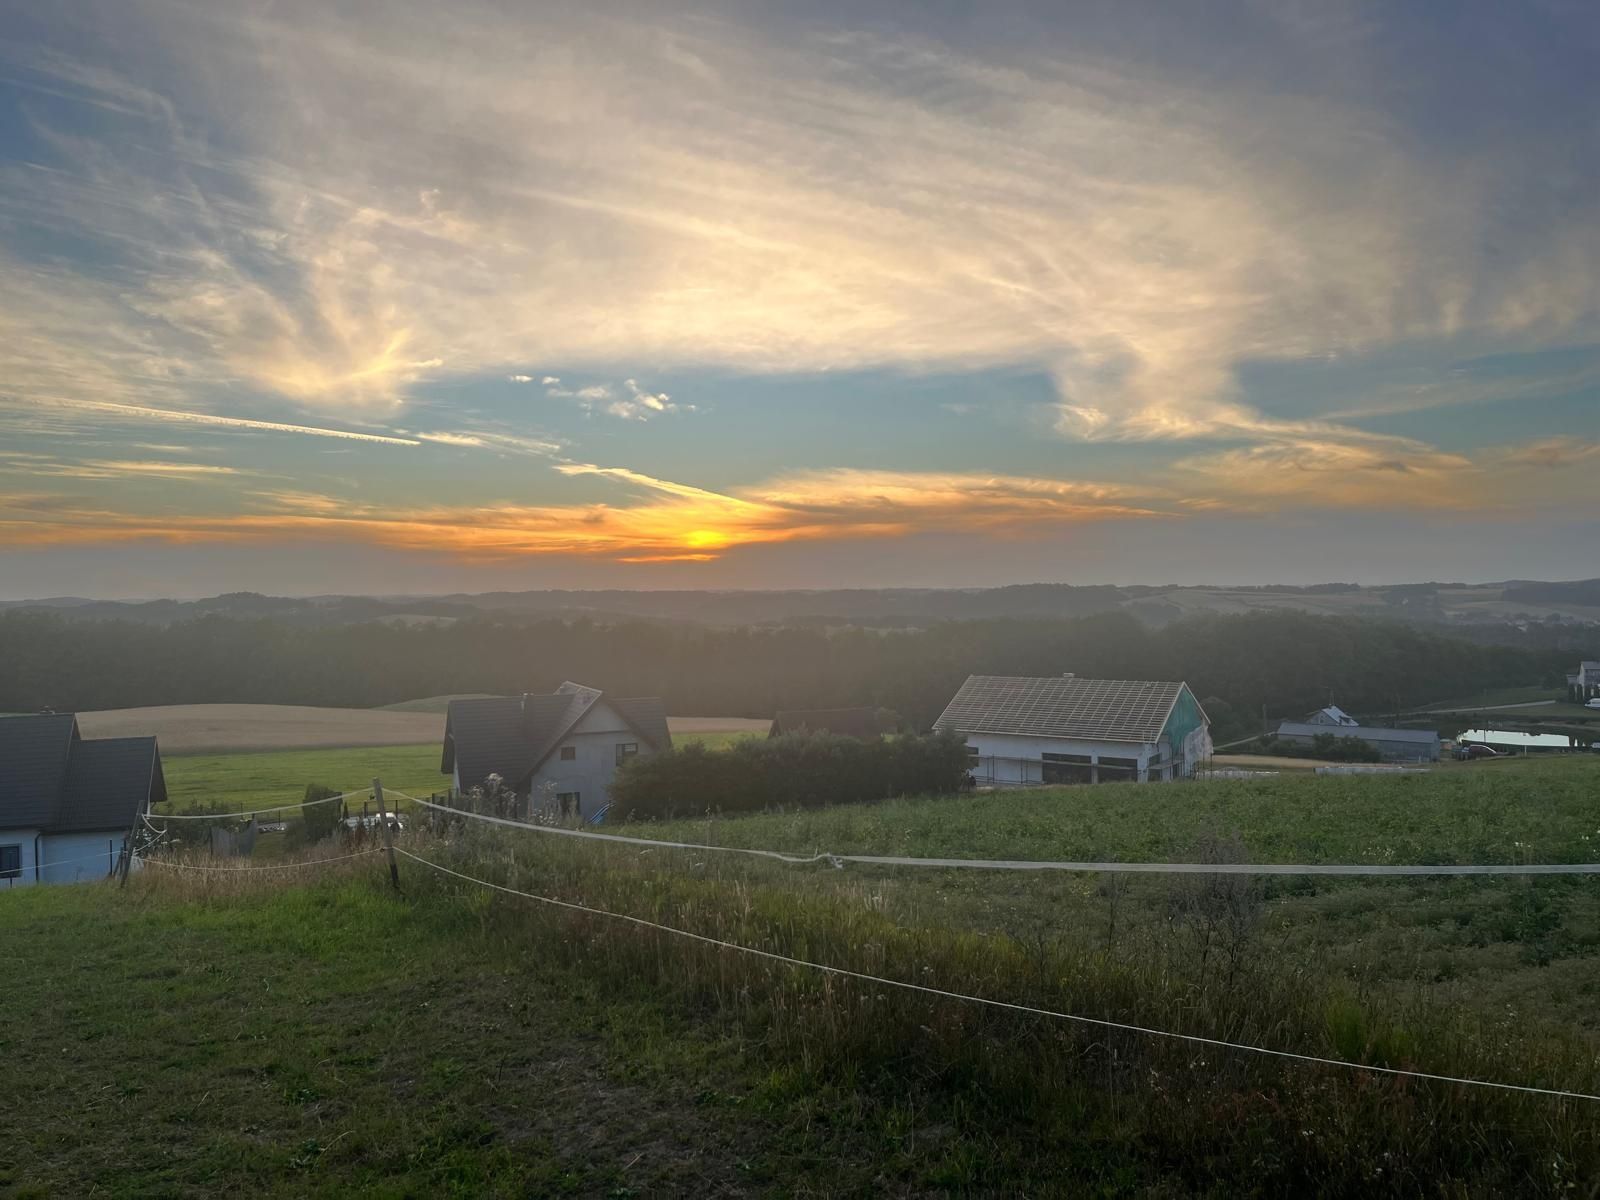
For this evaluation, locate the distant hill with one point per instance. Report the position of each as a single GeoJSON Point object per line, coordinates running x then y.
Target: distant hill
{"type": "Point", "coordinates": [1471, 605]}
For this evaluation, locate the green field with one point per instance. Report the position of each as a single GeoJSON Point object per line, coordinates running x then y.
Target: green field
{"type": "Point", "coordinates": [266, 779]}
{"type": "Point", "coordinates": [217, 1033]}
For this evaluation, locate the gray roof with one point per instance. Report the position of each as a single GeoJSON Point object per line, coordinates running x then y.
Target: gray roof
{"type": "Point", "coordinates": [1374, 733]}
{"type": "Point", "coordinates": [33, 767]}
{"type": "Point", "coordinates": [110, 781]}
{"type": "Point", "coordinates": [1109, 710]}
{"type": "Point", "coordinates": [53, 780]}
{"type": "Point", "coordinates": [511, 736]}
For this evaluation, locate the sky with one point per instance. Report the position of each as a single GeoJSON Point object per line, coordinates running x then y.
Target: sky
{"type": "Point", "coordinates": [408, 297]}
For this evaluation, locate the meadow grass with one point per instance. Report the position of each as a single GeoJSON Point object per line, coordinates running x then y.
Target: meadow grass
{"type": "Point", "coordinates": [238, 782]}
{"type": "Point", "coordinates": [321, 1036]}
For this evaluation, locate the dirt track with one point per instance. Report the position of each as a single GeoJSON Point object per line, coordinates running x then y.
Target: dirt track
{"type": "Point", "coordinates": [232, 728]}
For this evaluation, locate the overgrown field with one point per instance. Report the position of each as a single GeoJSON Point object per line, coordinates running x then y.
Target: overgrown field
{"type": "Point", "coordinates": [212, 1033]}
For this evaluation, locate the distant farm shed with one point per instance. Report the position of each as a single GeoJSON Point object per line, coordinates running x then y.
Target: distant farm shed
{"type": "Point", "coordinates": [867, 724]}
{"type": "Point", "coordinates": [1062, 729]}
{"type": "Point", "coordinates": [566, 745]}
{"type": "Point", "coordinates": [67, 802]}
{"type": "Point", "coordinates": [1392, 745]}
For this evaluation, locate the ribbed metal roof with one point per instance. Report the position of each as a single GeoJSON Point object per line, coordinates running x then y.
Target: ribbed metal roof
{"type": "Point", "coordinates": [1366, 732]}
{"type": "Point", "coordinates": [1111, 710]}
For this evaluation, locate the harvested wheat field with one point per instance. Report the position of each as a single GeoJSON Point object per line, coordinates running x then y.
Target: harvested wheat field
{"type": "Point", "coordinates": [236, 728]}
{"type": "Point", "coordinates": [224, 728]}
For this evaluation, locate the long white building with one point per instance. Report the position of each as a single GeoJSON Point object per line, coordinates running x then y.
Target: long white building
{"type": "Point", "coordinates": [1061, 729]}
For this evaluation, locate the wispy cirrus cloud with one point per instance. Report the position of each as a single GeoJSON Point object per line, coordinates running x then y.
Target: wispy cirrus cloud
{"type": "Point", "coordinates": [770, 203]}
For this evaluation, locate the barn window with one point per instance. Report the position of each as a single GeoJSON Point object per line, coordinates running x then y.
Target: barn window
{"type": "Point", "coordinates": [972, 756]}
{"type": "Point", "coordinates": [625, 751]}
{"type": "Point", "coordinates": [570, 803]}
{"type": "Point", "coordinates": [10, 862]}
{"type": "Point", "coordinates": [1119, 770]}
{"type": "Point", "coordinates": [1066, 768]}
{"type": "Point", "coordinates": [569, 753]}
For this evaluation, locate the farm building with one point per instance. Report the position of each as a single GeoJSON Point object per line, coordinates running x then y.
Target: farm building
{"type": "Point", "coordinates": [1332, 715]}
{"type": "Point", "coordinates": [867, 724]}
{"type": "Point", "coordinates": [559, 750]}
{"type": "Point", "coordinates": [67, 802]}
{"type": "Point", "coordinates": [1583, 684]}
{"type": "Point", "coordinates": [1393, 745]}
{"type": "Point", "coordinates": [1062, 729]}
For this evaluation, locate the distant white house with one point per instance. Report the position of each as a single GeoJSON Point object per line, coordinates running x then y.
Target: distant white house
{"type": "Point", "coordinates": [67, 802]}
{"type": "Point", "coordinates": [561, 749]}
{"type": "Point", "coordinates": [1392, 745]}
{"type": "Point", "coordinates": [1332, 715]}
{"type": "Point", "coordinates": [1583, 684]}
{"type": "Point", "coordinates": [1061, 729]}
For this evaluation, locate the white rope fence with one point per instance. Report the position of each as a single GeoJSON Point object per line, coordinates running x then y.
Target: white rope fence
{"type": "Point", "coordinates": [926, 989]}
{"type": "Point", "coordinates": [279, 866]}
{"type": "Point", "coordinates": [256, 812]}
{"type": "Point", "coordinates": [1002, 864]}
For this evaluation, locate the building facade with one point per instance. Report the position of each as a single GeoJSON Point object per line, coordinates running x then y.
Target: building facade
{"type": "Point", "coordinates": [67, 802]}
{"type": "Point", "coordinates": [1023, 730]}
{"type": "Point", "coordinates": [556, 752]}
{"type": "Point", "coordinates": [1392, 745]}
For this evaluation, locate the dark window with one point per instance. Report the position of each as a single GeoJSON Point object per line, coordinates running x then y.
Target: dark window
{"type": "Point", "coordinates": [1119, 770]}
{"type": "Point", "coordinates": [569, 753]}
{"type": "Point", "coordinates": [625, 751]}
{"type": "Point", "coordinates": [1065, 768]}
{"type": "Point", "coordinates": [972, 756]}
{"type": "Point", "coordinates": [10, 862]}
{"type": "Point", "coordinates": [569, 803]}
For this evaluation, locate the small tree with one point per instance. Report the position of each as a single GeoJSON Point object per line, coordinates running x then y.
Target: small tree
{"type": "Point", "coordinates": [318, 821]}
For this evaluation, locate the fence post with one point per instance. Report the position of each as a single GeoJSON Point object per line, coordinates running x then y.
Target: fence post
{"type": "Point", "coordinates": [388, 834]}
{"type": "Point", "coordinates": [126, 861]}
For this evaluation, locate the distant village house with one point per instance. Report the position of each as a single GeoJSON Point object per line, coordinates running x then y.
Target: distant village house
{"type": "Point", "coordinates": [67, 803]}
{"type": "Point", "coordinates": [560, 750]}
{"type": "Point", "coordinates": [1583, 684]}
{"type": "Point", "coordinates": [1061, 729]}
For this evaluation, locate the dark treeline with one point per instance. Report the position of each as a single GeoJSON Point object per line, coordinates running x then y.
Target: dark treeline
{"type": "Point", "coordinates": [1287, 662]}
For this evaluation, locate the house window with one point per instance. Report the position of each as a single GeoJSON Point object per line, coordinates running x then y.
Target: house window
{"type": "Point", "coordinates": [569, 753]}
{"type": "Point", "coordinates": [569, 803]}
{"type": "Point", "coordinates": [972, 756]}
{"type": "Point", "coordinates": [625, 751]}
{"type": "Point", "coordinates": [10, 862]}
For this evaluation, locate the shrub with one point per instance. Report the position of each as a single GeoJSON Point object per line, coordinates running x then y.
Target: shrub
{"type": "Point", "coordinates": [317, 821]}
{"type": "Point", "coordinates": [797, 770]}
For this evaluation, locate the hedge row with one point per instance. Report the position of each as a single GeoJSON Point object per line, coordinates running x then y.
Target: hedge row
{"type": "Point", "coordinates": [797, 770]}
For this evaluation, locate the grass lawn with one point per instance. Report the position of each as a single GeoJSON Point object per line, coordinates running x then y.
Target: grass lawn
{"type": "Point", "coordinates": [322, 1036]}
{"type": "Point", "coordinates": [267, 779]}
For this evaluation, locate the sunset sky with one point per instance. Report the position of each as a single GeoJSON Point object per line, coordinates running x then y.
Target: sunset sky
{"type": "Point", "coordinates": [422, 297]}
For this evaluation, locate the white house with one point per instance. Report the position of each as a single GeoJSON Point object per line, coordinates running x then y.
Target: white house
{"type": "Point", "coordinates": [67, 803]}
{"type": "Point", "coordinates": [1062, 729]}
{"type": "Point", "coordinates": [1332, 715]}
{"type": "Point", "coordinates": [562, 748]}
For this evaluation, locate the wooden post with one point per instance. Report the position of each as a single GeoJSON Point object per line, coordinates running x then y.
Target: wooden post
{"type": "Point", "coordinates": [126, 862]}
{"type": "Point", "coordinates": [388, 834]}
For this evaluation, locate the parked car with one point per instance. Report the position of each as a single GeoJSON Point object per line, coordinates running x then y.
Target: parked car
{"type": "Point", "coordinates": [1595, 703]}
{"type": "Point", "coordinates": [1475, 750]}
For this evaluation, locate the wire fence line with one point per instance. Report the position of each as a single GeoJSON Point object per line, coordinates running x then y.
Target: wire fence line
{"type": "Point", "coordinates": [255, 812]}
{"type": "Point", "coordinates": [927, 989]}
{"type": "Point", "coordinates": [279, 866]}
{"type": "Point", "coordinates": [1000, 864]}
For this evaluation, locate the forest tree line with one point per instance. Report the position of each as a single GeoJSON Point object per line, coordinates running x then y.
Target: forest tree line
{"type": "Point", "coordinates": [1287, 662]}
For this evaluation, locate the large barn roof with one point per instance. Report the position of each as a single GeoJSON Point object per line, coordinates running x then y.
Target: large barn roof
{"type": "Point", "coordinates": [53, 780]}
{"type": "Point", "coordinates": [1109, 710]}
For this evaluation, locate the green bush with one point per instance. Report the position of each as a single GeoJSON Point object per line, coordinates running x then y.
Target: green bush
{"type": "Point", "coordinates": [317, 821]}
{"type": "Point", "coordinates": [797, 770]}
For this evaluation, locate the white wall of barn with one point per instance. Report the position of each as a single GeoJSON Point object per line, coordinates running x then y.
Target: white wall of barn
{"type": "Point", "coordinates": [79, 857]}
{"type": "Point", "coordinates": [1016, 759]}
{"type": "Point", "coordinates": [61, 857]}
